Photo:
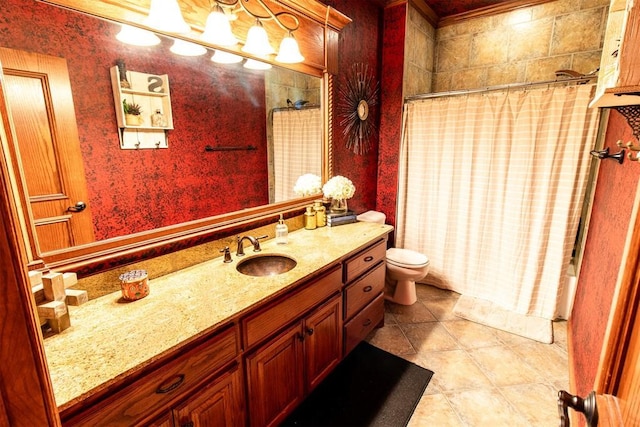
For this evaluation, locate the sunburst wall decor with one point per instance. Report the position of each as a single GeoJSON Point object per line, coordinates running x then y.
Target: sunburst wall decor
{"type": "Point", "coordinates": [358, 94]}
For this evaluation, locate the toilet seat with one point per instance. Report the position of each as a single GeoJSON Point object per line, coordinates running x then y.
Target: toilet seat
{"type": "Point", "coordinates": [406, 258]}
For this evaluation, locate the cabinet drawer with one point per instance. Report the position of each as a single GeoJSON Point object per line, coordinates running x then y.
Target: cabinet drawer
{"type": "Point", "coordinates": [359, 327]}
{"type": "Point", "coordinates": [366, 259]}
{"type": "Point", "coordinates": [362, 291]}
{"type": "Point", "coordinates": [265, 322]}
{"type": "Point", "coordinates": [157, 389]}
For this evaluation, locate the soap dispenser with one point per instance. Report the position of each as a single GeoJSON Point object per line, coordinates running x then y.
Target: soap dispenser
{"type": "Point", "coordinates": [282, 232]}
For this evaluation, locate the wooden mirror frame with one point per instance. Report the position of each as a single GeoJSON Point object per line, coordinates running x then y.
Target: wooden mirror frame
{"type": "Point", "coordinates": [320, 40]}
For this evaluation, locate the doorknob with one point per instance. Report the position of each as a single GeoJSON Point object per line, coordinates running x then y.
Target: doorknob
{"type": "Point", "coordinates": [587, 406]}
{"type": "Point", "coordinates": [79, 207]}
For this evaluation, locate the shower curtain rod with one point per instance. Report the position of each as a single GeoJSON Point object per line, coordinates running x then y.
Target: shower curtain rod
{"type": "Point", "coordinates": [304, 107]}
{"type": "Point", "coordinates": [584, 79]}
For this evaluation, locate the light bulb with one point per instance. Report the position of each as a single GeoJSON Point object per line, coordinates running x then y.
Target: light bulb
{"type": "Point", "coordinates": [137, 36]}
{"type": "Point", "coordinates": [257, 41]}
{"type": "Point", "coordinates": [222, 57]}
{"type": "Point", "coordinates": [165, 15]}
{"type": "Point", "coordinates": [185, 48]}
{"type": "Point", "coordinates": [252, 64]}
{"type": "Point", "coordinates": [289, 52]}
{"type": "Point", "coordinates": [217, 29]}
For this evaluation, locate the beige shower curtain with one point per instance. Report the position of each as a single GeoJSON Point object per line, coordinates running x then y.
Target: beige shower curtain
{"type": "Point", "coordinates": [297, 143]}
{"type": "Point", "coordinates": [491, 187]}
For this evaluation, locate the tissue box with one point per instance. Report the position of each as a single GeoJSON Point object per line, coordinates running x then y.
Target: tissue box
{"type": "Point", "coordinates": [134, 284]}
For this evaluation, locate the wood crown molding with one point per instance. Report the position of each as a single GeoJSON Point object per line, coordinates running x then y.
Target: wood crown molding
{"type": "Point", "coordinates": [496, 9]}
{"type": "Point", "coordinates": [432, 17]}
{"type": "Point", "coordinates": [316, 20]}
{"type": "Point", "coordinates": [421, 6]}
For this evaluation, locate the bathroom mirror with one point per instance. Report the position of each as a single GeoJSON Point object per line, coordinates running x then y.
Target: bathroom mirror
{"type": "Point", "coordinates": [219, 164]}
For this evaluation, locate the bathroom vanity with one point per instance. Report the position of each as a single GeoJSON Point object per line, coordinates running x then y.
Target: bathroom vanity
{"type": "Point", "coordinates": [212, 345]}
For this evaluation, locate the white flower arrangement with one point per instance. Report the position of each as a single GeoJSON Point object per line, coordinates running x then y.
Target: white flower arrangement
{"type": "Point", "coordinates": [339, 187]}
{"type": "Point", "coordinates": [308, 185]}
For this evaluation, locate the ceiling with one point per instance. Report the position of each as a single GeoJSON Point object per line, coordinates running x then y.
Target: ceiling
{"type": "Point", "coordinates": [447, 12]}
{"type": "Point", "coordinates": [446, 8]}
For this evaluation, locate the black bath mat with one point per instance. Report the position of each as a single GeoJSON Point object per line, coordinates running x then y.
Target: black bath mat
{"type": "Point", "coordinates": [370, 387]}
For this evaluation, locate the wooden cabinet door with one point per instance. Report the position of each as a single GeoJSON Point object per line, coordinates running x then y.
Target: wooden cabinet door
{"type": "Point", "coordinates": [164, 421]}
{"type": "Point", "coordinates": [219, 404]}
{"type": "Point", "coordinates": [275, 378]}
{"type": "Point", "coordinates": [39, 97]}
{"type": "Point", "coordinates": [322, 343]}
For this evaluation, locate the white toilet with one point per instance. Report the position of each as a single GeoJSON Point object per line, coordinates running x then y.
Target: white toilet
{"type": "Point", "coordinates": [404, 268]}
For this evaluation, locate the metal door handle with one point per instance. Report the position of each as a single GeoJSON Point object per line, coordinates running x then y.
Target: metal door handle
{"type": "Point", "coordinates": [79, 207]}
{"type": "Point", "coordinates": [587, 406]}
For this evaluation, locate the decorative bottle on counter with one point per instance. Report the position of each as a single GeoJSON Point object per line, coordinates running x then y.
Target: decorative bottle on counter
{"type": "Point", "coordinates": [282, 232]}
{"type": "Point", "coordinates": [321, 213]}
{"type": "Point", "coordinates": [310, 218]}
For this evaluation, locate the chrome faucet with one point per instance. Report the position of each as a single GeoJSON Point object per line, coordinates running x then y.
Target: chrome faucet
{"type": "Point", "coordinates": [255, 241]}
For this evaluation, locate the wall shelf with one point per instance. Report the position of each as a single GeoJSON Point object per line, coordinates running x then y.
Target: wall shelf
{"type": "Point", "coordinates": [151, 92]}
{"type": "Point", "coordinates": [619, 78]}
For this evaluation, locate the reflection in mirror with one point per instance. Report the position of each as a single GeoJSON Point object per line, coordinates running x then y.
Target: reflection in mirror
{"type": "Point", "coordinates": [216, 105]}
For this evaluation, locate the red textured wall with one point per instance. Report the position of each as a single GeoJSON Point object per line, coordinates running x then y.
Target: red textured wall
{"type": "Point", "coordinates": [611, 213]}
{"type": "Point", "coordinates": [360, 42]}
{"type": "Point", "coordinates": [392, 104]}
{"type": "Point", "coordinates": [140, 190]}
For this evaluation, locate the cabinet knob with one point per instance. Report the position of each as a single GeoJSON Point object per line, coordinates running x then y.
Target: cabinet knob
{"type": "Point", "coordinates": [300, 336]}
{"type": "Point", "coordinates": [367, 289]}
{"type": "Point", "coordinates": [368, 259]}
{"type": "Point", "coordinates": [366, 322]}
{"type": "Point", "coordinates": [187, 424]}
{"type": "Point", "coordinates": [310, 331]}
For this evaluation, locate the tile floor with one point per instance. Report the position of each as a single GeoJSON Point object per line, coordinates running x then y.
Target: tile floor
{"type": "Point", "coordinates": [483, 376]}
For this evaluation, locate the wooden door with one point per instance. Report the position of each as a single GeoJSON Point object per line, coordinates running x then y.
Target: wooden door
{"type": "Point", "coordinates": [322, 343]}
{"type": "Point", "coordinates": [275, 379]}
{"type": "Point", "coordinates": [48, 149]}
{"type": "Point", "coordinates": [618, 376]}
{"type": "Point", "coordinates": [27, 397]}
{"type": "Point", "coordinates": [220, 404]}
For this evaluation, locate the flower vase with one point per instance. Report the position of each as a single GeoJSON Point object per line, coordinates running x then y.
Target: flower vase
{"type": "Point", "coordinates": [338, 206]}
{"type": "Point", "coordinates": [132, 120]}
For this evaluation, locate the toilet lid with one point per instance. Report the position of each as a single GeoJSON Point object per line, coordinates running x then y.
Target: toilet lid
{"type": "Point", "coordinates": [406, 258]}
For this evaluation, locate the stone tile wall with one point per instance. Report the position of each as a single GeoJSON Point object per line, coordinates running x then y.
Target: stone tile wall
{"type": "Point", "coordinates": [419, 54]}
{"type": "Point", "coordinates": [525, 45]}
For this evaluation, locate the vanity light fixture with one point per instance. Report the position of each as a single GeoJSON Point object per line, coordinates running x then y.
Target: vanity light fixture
{"type": "Point", "coordinates": [222, 57]}
{"type": "Point", "coordinates": [185, 48]}
{"type": "Point", "coordinates": [257, 41]}
{"type": "Point", "coordinates": [165, 15]}
{"type": "Point", "coordinates": [137, 36]}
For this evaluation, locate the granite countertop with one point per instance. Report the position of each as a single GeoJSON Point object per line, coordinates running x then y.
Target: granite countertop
{"type": "Point", "coordinates": [109, 338]}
